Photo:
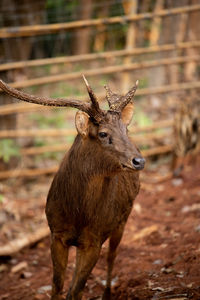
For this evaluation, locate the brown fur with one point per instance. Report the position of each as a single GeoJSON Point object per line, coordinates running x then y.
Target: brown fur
{"type": "Point", "coordinates": [90, 199]}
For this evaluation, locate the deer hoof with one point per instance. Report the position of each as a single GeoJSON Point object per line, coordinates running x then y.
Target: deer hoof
{"type": "Point", "coordinates": [107, 294]}
{"type": "Point", "coordinates": [57, 297]}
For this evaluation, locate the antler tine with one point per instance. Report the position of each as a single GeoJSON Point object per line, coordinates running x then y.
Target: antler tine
{"type": "Point", "coordinates": [109, 94]}
{"type": "Point", "coordinates": [95, 109]}
{"type": "Point", "coordinates": [117, 102]}
{"type": "Point", "coordinates": [128, 97]}
{"type": "Point", "coordinates": [112, 98]}
{"type": "Point", "coordinates": [91, 94]}
{"type": "Point", "coordinates": [62, 102]}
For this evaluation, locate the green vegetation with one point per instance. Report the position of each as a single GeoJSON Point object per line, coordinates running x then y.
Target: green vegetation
{"type": "Point", "coordinates": [39, 142]}
{"type": "Point", "coordinates": [8, 149]}
{"type": "Point", "coordinates": [141, 118]}
{"type": "Point", "coordinates": [105, 79]}
{"type": "Point", "coordinates": [48, 155]}
{"type": "Point", "coordinates": [143, 83]}
{"type": "Point", "coordinates": [1, 198]}
{"type": "Point", "coordinates": [64, 89]}
{"type": "Point", "coordinates": [56, 120]}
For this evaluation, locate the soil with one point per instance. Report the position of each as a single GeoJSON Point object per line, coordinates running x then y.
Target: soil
{"type": "Point", "coordinates": [158, 258]}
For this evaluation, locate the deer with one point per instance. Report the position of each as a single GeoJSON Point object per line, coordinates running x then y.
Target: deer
{"type": "Point", "coordinates": [186, 132]}
{"type": "Point", "coordinates": [92, 193]}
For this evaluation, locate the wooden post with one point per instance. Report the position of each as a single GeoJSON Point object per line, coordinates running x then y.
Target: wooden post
{"type": "Point", "coordinates": [100, 37]}
{"type": "Point", "coordinates": [158, 78]}
{"type": "Point", "coordinates": [130, 7]}
{"type": "Point", "coordinates": [143, 7]}
{"type": "Point", "coordinates": [82, 38]}
{"type": "Point", "coordinates": [193, 33]}
{"type": "Point", "coordinates": [179, 37]}
{"type": "Point", "coordinates": [180, 22]}
{"type": "Point", "coordinates": [156, 24]}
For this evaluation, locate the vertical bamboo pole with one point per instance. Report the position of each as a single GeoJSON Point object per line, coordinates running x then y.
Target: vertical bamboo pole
{"type": "Point", "coordinates": [100, 37]}
{"type": "Point", "coordinates": [193, 34]}
{"type": "Point", "coordinates": [82, 38]}
{"type": "Point", "coordinates": [141, 25]}
{"type": "Point", "coordinates": [156, 24]}
{"type": "Point", "coordinates": [158, 73]}
{"type": "Point", "coordinates": [181, 24]}
{"type": "Point", "coordinates": [130, 7]}
{"type": "Point", "coordinates": [179, 37]}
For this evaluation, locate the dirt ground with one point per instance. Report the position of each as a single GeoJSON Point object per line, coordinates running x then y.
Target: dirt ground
{"type": "Point", "coordinates": [158, 258]}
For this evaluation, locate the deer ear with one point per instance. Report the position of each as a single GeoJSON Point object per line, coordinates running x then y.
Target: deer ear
{"type": "Point", "coordinates": [81, 121]}
{"type": "Point", "coordinates": [127, 113]}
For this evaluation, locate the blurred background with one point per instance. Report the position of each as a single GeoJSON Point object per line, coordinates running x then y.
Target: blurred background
{"type": "Point", "coordinates": [46, 46]}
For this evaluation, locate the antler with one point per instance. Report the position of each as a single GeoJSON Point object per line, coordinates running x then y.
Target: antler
{"type": "Point", "coordinates": [117, 102]}
{"type": "Point", "coordinates": [98, 112]}
{"type": "Point", "coordinates": [112, 98]}
{"type": "Point", "coordinates": [93, 110]}
{"type": "Point", "coordinates": [129, 96]}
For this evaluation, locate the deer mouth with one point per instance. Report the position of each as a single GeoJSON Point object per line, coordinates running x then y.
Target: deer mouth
{"type": "Point", "coordinates": [128, 168]}
{"type": "Point", "coordinates": [134, 167]}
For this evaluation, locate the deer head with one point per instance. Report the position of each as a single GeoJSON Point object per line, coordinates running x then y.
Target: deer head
{"type": "Point", "coordinates": [108, 129]}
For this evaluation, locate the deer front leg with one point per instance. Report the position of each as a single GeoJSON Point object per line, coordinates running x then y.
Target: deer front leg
{"type": "Point", "coordinates": [59, 254]}
{"type": "Point", "coordinates": [86, 259]}
{"type": "Point", "coordinates": [113, 244]}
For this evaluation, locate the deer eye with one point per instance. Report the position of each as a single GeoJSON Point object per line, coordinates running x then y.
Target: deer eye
{"type": "Point", "coordinates": [103, 134]}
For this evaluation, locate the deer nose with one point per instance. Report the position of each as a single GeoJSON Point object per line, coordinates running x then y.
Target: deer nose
{"type": "Point", "coordinates": [138, 163]}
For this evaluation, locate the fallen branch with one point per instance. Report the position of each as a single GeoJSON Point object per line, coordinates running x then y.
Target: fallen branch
{"type": "Point", "coordinates": [143, 233]}
{"type": "Point", "coordinates": [17, 244]}
{"type": "Point", "coordinates": [28, 239]}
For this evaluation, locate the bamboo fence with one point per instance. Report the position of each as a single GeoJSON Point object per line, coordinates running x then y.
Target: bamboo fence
{"type": "Point", "coordinates": [101, 55]}
{"type": "Point", "coordinates": [104, 70]}
{"type": "Point", "coordinates": [33, 30]}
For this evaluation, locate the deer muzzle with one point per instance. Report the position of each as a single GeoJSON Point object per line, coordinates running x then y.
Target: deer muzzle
{"type": "Point", "coordinates": [138, 163]}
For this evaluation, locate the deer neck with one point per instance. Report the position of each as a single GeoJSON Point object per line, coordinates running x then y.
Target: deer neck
{"type": "Point", "coordinates": [87, 158]}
